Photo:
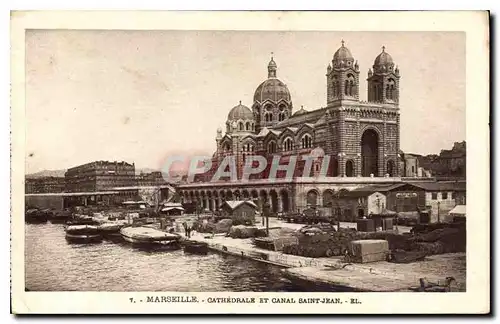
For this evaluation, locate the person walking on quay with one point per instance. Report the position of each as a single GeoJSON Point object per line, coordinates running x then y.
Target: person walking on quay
{"type": "Point", "coordinates": [185, 228]}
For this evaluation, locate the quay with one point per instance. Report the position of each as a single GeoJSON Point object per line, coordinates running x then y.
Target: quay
{"type": "Point", "coordinates": [333, 274]}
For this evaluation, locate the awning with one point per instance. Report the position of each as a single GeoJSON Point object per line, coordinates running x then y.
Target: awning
{"type": "Point", "coordinates": [129, 202]}
{"type": "Point", "coordinates": [171, 208]}
{"type": "Point", "coordinates": [458, 210]}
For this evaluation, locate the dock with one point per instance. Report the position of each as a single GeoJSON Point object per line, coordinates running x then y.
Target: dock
{"type": "Point", "coordinates": [332, 274]}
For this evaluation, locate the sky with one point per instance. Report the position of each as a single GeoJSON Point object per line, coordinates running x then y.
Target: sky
{"type": "Point", "coordinates": [141, 96]}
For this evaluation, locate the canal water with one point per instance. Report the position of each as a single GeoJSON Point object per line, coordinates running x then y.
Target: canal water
{"type": "Point", "coordinates": [54, 265]}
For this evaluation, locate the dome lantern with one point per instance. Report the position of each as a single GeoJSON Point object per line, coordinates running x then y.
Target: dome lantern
{"type": "Point", "coordinates": [271, 68]}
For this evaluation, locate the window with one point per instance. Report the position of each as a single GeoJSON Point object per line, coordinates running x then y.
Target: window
{"type": "Point", "coordinates": [248, 126]}
{"type": "Point", "coordinates": [288, 144]}
{"type": "Point", "coordinates": [444, 195]}
{"type": "Point", "coordinates": [306, 141]}
{"type": "Point", "coordinates": [434, 196]}
{"type": "Point", "coordinates": [271, 147]}
{"type": "Point", "coordinates": [454, 195]}
{"type": "Point", "coordinates": [412, 169]}
{"type": "Point", "coordinates": [389, 90]}
{"type": "Point", "coordinates": [241, 126]}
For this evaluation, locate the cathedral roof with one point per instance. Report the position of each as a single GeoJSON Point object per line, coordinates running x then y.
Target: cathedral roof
{"type": "Point", "coordinates": [265, 131]}
{"type": "Point", "coordinates": [240, 112]}
{"type": "Point", "coordinates": [296, 120]}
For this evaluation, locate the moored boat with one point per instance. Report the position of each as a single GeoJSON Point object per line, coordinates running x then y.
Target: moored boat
{"type": "Point", "coordinates": [195, 247]}
{"type": "Point", "coordinates": [83, 234]}
{"type": "Point", "coordinates": [83, 238]}
{"type": "Point", "coordinates": [77, 219]}
{"type": "Point", "coordinates": [111, 230]}
{"type": "Point", "coordinates": [36, 216]}
{"type": "Point", "coordinates": [150, 237]}
{"type": "Point", "coordinates": [60, 217]}
{"type": "Point", "coordinates": [82, 230]}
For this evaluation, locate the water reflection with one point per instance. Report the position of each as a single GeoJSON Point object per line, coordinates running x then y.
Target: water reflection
{"type": "Point", "coordinates": [54, 265]}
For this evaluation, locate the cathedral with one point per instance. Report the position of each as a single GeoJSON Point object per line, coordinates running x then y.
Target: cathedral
{"type": "Point", "coordinates": [360, 138]}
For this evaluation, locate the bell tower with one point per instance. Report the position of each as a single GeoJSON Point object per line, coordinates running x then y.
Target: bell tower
{"type": "Point", "coordinates": [383, 81]}
{"type": "Point", "coordinates": [342, 77]}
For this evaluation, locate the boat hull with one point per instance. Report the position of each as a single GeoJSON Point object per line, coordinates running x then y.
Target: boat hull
{"type": "Point", "coordinates": [196, 248]}
{"type": "Point", "coordinates": [155, 239]}
{"type": "Point", "coordinates": [83, 239]}
{"type": "Point", "coordinates": [82, 230]}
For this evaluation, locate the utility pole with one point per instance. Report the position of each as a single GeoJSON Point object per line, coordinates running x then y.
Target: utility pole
{"type": "Point", "coordinates": [266, 210]}
{"type": "Point", "coordinates": [439, 216]}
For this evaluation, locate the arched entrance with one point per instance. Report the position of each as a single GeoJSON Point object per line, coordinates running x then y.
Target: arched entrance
{"type": "Point", "coordinates": [369, 153]}
{"type": "Point", "coordinates": [285, 201]}
{"type": "Point", "coordinates": [274, 201]}
{"type": "Point", "coordinates": [245, 194]}
{"type": "Point", "coordinates": [263, 198]}
{"type": "Point", "coordinates": [229, 195]}
{"type": "Point", "coordinates": [333, 169]}
{"type": "Point", "coordinates": [349, 168]}
{"type": "Point", "coordinates": [210, 202]}
{"type": "Point", "coordinates": [390, 168]}
{"type": "Point", "coordinates": [312, 198]}
{"type": "Point", "coordinates": [327, 198]}
{"type": "Point", "coordinates": [255, 197]}
{"type": "Point", "coordinates": [216, 200]}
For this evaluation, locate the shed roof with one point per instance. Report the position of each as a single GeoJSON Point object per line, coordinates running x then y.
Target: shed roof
{"type": "Point", "coordinates": [356, 193]}
{"type": "Point", "coordinates": [441, 186]}
{"type": "Point", "coordinates": [233, 204]}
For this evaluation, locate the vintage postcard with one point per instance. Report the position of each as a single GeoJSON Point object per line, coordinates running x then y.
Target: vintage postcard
{"type": "Point", "coordinates": [250, 162]}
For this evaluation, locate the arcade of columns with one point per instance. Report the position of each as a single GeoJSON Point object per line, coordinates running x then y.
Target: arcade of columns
{"type": "Point", "coordinates": [279, 198]}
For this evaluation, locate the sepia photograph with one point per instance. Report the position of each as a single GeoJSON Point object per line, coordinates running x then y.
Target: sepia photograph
{"type": "Point", "coordinates": [313, 164]}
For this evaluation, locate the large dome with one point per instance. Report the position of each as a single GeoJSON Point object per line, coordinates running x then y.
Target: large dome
{"type": "Point", "coordinates": [240, 112]}
{"type": "Point", "coordinates": [272, 89]}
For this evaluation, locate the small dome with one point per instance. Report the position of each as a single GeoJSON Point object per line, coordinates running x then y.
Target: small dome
{"type": "Point", "coordinates": [272, 89]}
{"type": "Point", "coordinates": [240, 112]}
{"type": "Point", "coordinates": [343, 54]}
{"type": "Point", "coordinates": [300, 112]}
{"type": "Point", "coordinates": [383, 60]}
